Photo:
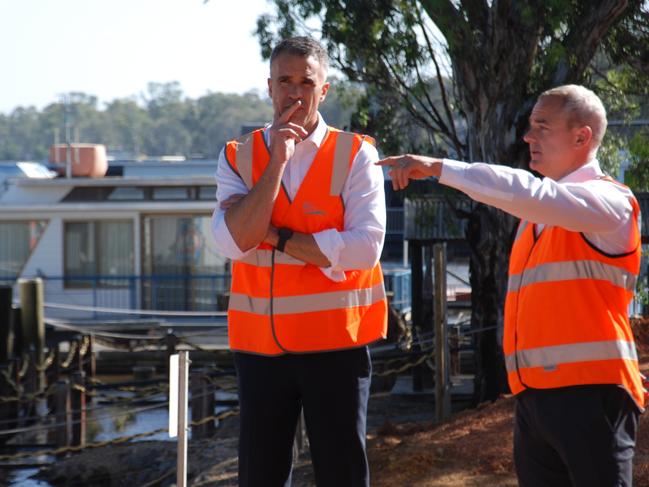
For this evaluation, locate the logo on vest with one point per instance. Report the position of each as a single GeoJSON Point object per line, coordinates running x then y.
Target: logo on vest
{"type": "Point", "coordinates": [310, 209]}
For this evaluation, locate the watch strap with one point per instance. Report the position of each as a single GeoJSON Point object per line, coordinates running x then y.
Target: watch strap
{"type": "Point", "coordinates": [284, 235]}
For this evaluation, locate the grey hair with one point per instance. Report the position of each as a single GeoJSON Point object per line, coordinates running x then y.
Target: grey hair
{"type": "Point", "coordinates": [304, 47]}
{"type": "Point", "coordinates": [582, 107]}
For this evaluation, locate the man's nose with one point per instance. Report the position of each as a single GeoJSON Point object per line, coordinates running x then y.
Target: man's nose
{"type": "Point", "coordinates": [295, 91]}
{"type": "Point", "coordinates": [528, 137]}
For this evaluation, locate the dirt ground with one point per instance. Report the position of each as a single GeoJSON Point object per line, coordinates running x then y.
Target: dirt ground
{"type": "Point", "coordinates": [473, 448]}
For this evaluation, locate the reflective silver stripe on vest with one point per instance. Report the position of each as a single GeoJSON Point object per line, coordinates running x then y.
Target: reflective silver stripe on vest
{"type": "Point", "coordinates": [309, 302]}
{"type": "Point", "coordinates": [262, 258]}
{"type": "Point", "coordinates": [521, 228]}
{"type": "Point", "coordinates": [342, 154]}
{"type": "Point", "coordinates": [550, 357]}
{"type": "Point", "coordinates": [244, 158]}
{"type": "Point", "coordinates": [575, 269]}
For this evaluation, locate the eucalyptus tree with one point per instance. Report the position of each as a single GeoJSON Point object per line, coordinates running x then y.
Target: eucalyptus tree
{"type": "Point", "coordinates": [467, 72]}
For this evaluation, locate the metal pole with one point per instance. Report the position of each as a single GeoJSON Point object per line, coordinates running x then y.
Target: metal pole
{"type": "Point", "coordinates": [181, 469]}
{"type": "Point", "coordinates": [442, 396]}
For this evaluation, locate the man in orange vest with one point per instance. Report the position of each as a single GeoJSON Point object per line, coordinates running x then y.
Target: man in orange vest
{"type": "Point", "coordinates": [569, 351]}
{"type": "Point", "coordinates": [302, 215]}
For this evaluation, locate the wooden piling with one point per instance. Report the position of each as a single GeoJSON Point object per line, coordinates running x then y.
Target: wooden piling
{"type": "Point", "coordinates": [442, 376]}
{"type": "Point", "coordinates": [8, 409]}
{"type": "Point", "coordinates": [6, 323]}
{"type": "Point", "coordinates": [32, 316]}
{"type": "Point", "coordinates": [90, 364]}
{"type": "Point", "coordinates": [62, 432]}
{"type": "Point", "coordinates": [78, 405]}
{"type": "Point", "coordinates": [80, 354]}
{"type": "Point", "coordinates": [202, 403]}
{"type": "Point", "coordinates": [417, 274]}
{"type": "Point", "coordinates": [17, 379]}
{"type": "Point", "coordinates": [171, 342]}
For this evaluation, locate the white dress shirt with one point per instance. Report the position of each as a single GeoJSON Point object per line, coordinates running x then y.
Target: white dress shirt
{"type": "Point", "coordinates": [359, 245]}
{"type": "Point", "coordinates": [578, 202]}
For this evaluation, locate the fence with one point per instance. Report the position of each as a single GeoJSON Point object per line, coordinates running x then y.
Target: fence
{"type": "Point", "coordinates": [202, 293]}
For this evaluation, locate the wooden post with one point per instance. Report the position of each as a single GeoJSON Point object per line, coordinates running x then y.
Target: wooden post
{"type": "Point", "coordinates": [202, 403]}
{"type": "Point", "coordinates": [78, 405]}
{"type": "Point", "coordinates": [18, 332]}
{"type": "Point", "coordinates": [90, 361]}
{"type": "Point", "coordinates": [31, 316]}
{"type": "Point", "coordinates": [53, 374]}
{"type": "Point", "coordinates": [80, 354]}
{"type": "Point", "coordinates": [62, 413]}
{"type": "Point", "coordinates": [17, 380]}
{"type": "Point", "coordinates": [442, 389]}
{"type": "Point", "coordinates": [8, 410]}
{"type": "Point", "coordinates": [6, 323]}
{"type": "Point", "coordinates": [31, 377]}
{"type": "Point", "coordinates": [171, 341]}
{"type": "Point", "coordinates": [197, 403]}
{"type": "Point", "coordinates": [417, 304]}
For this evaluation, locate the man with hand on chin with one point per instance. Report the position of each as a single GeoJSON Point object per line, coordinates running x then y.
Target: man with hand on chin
{"type": "Point", "coordinates": [569, 350]}
{"type": "Point", "coordinates": [302, 215]}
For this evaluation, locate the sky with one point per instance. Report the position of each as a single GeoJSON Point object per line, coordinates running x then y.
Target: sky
{"type": "Point", "coordinates": [113, 48]}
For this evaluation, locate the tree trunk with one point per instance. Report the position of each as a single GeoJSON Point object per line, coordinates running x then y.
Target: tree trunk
{"type": "Point", "coordinates": [489, 234]}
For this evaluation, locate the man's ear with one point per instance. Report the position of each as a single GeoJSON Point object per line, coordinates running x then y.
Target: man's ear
{"type": "Point", "coordinates": [584, 135]}
{"type": "Point", "coordinates": [325, 89]}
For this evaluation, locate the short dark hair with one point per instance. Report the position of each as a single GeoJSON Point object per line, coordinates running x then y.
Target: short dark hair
{"type": "Point", "coordinates": [301, 46]}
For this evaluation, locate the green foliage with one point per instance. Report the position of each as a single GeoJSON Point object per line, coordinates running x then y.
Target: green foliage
{"type": "Point", "coordinates": [637, 176]}
{"type": "Point", "coordinates": [501, 59]}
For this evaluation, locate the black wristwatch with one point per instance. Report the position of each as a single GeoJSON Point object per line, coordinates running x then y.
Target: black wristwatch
{"type": "Point", "coordinates": [284, 234]}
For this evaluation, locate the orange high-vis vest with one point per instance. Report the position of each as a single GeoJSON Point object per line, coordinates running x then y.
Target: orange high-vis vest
{"type": "Point", "coordinates": [279, 304]}
{"type": "Point", "coordinates": [566, 312]}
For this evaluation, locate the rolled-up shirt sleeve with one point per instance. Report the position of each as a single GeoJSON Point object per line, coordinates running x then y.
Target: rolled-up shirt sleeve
{"type": "Point", "coordinates": [228, 183]}
{"type": "Point", "coordinates": [360, 243]}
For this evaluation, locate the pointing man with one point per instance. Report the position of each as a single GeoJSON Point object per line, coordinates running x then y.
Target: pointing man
{"type": "Point", "coordinates": [570, 355]}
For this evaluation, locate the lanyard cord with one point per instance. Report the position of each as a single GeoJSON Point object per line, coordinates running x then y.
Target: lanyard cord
{"type": "Point", "coordinates": [272, 312]}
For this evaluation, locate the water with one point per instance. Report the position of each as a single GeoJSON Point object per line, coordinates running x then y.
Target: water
{"type": "Point", "coordinates": [107, 422]}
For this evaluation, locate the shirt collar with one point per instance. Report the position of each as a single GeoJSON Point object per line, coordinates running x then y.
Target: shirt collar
{"type": "Point", "coordinates": [590, 170]}
{"type": "Point", "coordinates": [316, 137]}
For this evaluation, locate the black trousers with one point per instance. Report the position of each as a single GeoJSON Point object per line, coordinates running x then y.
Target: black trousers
{"type": "Point", "coordinates": [582, 436]}
{"type": "Point", "coordinates": [332, 388]}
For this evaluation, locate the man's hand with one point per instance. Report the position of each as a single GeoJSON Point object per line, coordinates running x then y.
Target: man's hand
{"type": "Point", "coordinates": [231, 201]}
{"type": "Point", "coordinates": [409, 166]}
{"type": "Point", "coordinates": [284, 134]}
{"type": "Point", "coordinates": [272, 236]}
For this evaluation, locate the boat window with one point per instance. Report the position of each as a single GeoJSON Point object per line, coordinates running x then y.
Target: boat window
{"type": "Point", "coordinates": [207, 193]}
{"type": "Point", "coordinates": [88, 193]}
{"type": "Point", "coordinates": [18, 239]}
{"type": "Point", "coordinates": [98, 253]}
{"type": "Point", "coordinates": [183, 270]}
{"type": "Point", "coordinates": [177, 193]}
{"type": "Point", "coordinates": [127, 193]}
